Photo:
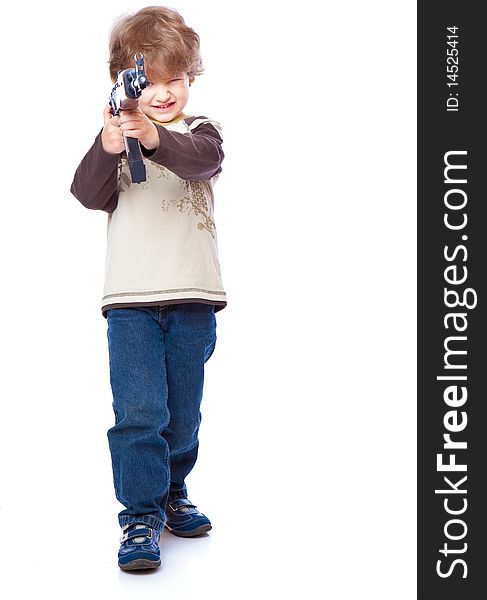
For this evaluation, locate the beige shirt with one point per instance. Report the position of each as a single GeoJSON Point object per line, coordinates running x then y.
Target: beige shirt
{"type": "Point", "coordinates": [162, 245]}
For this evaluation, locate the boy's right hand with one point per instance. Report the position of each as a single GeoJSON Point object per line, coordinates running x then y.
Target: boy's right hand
{"type": "Point", "coordinates": [111, 136]}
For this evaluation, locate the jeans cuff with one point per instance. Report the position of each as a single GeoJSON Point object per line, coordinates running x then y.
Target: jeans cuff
{"type": "Point", "coordinates": [152, 520]}
{"type": "Point", "coordinates": [173, 495]}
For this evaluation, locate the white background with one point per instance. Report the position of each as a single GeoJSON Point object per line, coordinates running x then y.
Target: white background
{"type": "Point", "coordinates": [307, 445]}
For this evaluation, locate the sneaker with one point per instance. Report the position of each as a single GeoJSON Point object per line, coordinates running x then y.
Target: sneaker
{"type": "Point", "coordinates": [184, 520]}
{"type": "Point", "coordinates": [139, 547]}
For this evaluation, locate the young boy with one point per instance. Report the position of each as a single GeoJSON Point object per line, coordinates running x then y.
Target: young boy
{"type": "Point", "coordinates": [163, 283]}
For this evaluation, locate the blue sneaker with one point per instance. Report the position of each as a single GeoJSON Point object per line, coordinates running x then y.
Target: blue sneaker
{"type": "Point", "coordinates": [139, 547]}
{"type": "Point", "coordinates": [184, 520]}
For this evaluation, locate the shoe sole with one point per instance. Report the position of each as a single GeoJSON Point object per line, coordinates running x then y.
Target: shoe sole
{"type": "Point", "coordinates": [195, 532]}
{"type": "Point", "coordinates": [141, 563]}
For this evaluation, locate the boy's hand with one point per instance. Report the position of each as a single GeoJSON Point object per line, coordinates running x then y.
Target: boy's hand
{"type": "Point", "coordinates": [134, 123]}
{"type": "Point", "coordinates": [111, 136]}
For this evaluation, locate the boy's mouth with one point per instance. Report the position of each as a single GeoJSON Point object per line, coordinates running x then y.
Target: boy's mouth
{"type": "Point", "coordinates": [164, 106]}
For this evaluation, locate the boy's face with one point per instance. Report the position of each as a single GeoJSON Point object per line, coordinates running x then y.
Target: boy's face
{"type": "Point", "coordinates": [165, 100]}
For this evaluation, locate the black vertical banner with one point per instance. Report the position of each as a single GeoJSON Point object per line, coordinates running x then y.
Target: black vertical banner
{"type": "Point", "coordinates": [452, 268]}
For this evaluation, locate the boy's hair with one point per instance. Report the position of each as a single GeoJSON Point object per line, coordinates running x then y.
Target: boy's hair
{"type": "Point", "coordinates": [160, 33]}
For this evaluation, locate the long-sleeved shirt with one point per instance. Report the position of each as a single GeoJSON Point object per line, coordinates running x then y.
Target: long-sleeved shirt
{"type": "Point", "coordinates": [161, 234]}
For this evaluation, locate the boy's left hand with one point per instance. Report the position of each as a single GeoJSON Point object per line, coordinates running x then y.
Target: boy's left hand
{"type": "Point", "coordinates": [134, 123]}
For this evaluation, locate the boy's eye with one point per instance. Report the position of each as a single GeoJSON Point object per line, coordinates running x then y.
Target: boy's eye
{"type": "Point", "coordinates": [170, 81]}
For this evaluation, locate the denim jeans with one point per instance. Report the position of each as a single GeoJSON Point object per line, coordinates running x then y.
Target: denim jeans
{"type": "Point", "coordinates": [157, 356]}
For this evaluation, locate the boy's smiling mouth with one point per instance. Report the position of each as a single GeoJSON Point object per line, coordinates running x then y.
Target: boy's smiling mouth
{"type": "Point", "coordinates": [163, 106]}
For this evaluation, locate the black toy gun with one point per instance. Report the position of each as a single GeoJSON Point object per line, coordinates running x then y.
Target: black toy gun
{"type": "Point", "coordinates": [125, 93]}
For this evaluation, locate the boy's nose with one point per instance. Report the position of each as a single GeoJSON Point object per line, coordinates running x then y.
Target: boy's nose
{"type": "Point", "coordinates": [163, 94]}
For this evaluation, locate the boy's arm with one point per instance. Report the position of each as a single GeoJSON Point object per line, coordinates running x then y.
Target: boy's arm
{"type": "Point", "coordinates": [194, 156]}
{"type": "Point", "coordinates": [95, 182]}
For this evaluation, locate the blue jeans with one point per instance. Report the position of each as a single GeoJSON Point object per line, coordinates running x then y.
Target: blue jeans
{"type": "Point", "coordinates": [157, 356]}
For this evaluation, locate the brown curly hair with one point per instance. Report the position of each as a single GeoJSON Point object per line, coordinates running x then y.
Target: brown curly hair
{"type": "Point", "coordinates": [160, 33]}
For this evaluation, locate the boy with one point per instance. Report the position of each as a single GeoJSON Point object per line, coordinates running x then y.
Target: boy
{"type": "Point", "coordinates": [162, 279]}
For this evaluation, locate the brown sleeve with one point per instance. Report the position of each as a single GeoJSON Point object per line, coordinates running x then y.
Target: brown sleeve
{"type": "Point", "coordinates": [95, 182]}
{"type": "Point", "coordinates": [194, 156]}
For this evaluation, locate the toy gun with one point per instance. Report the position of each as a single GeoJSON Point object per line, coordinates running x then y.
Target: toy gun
{"type": "Point", "coordinates": [125, 93]}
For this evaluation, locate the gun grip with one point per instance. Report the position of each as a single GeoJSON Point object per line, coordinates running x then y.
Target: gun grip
{"type": "Point", "coordinates": [135, 160]}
